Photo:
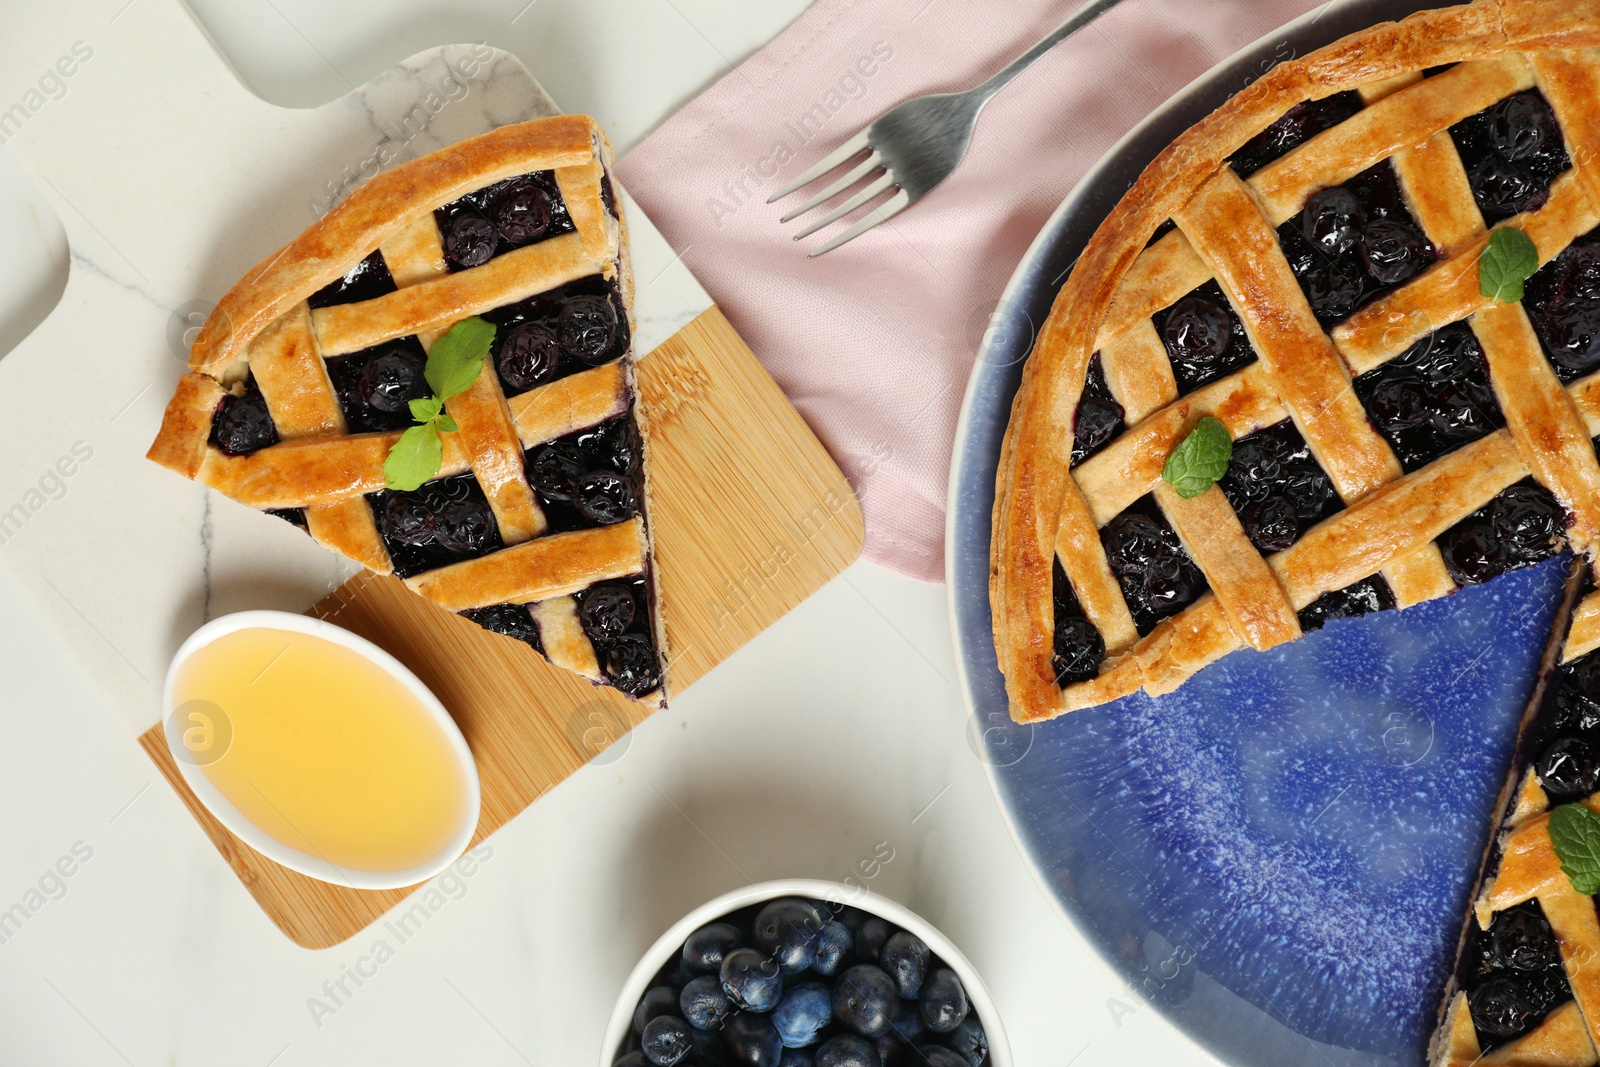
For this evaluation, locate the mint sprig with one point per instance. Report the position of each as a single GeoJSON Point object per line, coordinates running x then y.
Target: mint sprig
{"type": "Point", "coordinates": [1509, 260]}
{"type": "Point", "coordinates": [1575, 833]}
{"type": "Point", "coordinates": [1202, 458]}
{"type": "Point", "coordinates": [454, 363]}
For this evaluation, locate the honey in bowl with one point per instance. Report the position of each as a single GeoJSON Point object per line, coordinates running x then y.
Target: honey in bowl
{"type": "Point", "coordinates": [321, 748]}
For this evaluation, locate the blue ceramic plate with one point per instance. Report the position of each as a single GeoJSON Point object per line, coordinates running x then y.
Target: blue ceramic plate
{"type": "Point", "coordinates": [1278, 856]}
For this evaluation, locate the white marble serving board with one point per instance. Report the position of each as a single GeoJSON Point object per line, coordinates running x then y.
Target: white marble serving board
{"type": "Point", "coordinates": [171, 179]}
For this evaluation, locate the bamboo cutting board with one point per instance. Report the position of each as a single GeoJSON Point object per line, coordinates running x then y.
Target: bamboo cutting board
{"type": "Point", "coordinates": [750, 516]}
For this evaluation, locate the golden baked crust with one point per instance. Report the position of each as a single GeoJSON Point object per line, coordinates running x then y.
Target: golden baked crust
{"type": "Point", "coordinates": [1046, 511]}
{"type": "Point", "coordinates": [265, 330]}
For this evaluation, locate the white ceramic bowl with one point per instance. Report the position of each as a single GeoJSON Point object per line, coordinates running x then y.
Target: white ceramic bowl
{"type": "Point", "coordinates": [271, 847]}
{"type": "Point", "coordinates": [670, 944]}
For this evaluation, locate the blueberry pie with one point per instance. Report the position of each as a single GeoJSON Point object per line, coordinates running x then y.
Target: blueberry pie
{"type": "Point", "coordinates": [313, 374]}
{"type": "Point", "coordinates": [1303, 266]}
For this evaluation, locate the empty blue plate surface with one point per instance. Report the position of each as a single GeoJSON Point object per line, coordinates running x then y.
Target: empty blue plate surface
{"type": "Point", "coordinates": [1278, 856]}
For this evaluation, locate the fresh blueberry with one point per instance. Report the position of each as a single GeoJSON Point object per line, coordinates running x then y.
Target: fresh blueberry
{"type": "Point", "coordinates": [658, 1001]}
{"type": "Point", "coordinates": [905, 958]}
{"type": "Point", "coordinates": [944, 1002]}
{"type": "Point", "coordinates": [631, 1059]}
{"type": "Point", "coordinates": [939, 1056]}
{"type": "Point", "coordinates": [908, 1022]}
{"type": "Point", "coordinates": [1332, 221]}
{"type": "Point", "coordinates": [852, 919]}
{"type": "Point", "coordinates": [607, 611]}
{"type": "Point", "coordinates": [588, 329]}
{"type": "Point", "coordinates": [665, 1040]}
{"type": "Point", "coordinates": [969, 1041]}
{"type": "Point", "coordinates": [802, 1013]}
{"type": "Point", "coordinates": [605, 497]}
{"type": "Point", "coordinates": [1502, 1007]}
{"type": "Point", "coordinates": [847, 1050]}
{"type": "Point", "coordinates": [470, 240]}
{"type": "Point", "coordinates": [242, 425]}
{"type": "Point", "coordinates": [753, 1040]}
{"type": "Point", "coordinates": [703, 1002]}
{"type": "Point", "coordinates": [870, 937]}
{"type": "Point", "coordinates": [1569, 769]}
{"type": "Point", "coordinates": [632, 666]}
{"type": "Point", "coordinates": [522, 211]}
{"type": "Point", "coordinates": [528, 357]}
{"type": "Point", "coordinates": [797, 1057]}
{"type": "Point", "coordinates": [751, 980]}
{"type": "Point", "coordinates": [788, 930]}
{"type": "Point", "coordinates": [891, 1050]}
{"type": "Point", "coordinates": [555, 469]}
{"type": "Point", "coordinates": [865, 1000]}
{"type": "Point", "coordinates": [834, 943]}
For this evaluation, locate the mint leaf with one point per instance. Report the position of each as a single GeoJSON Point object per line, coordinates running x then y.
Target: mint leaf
{"type": "Point", "coordinates": [415, 458]}
{"type": "Point", "coordinates": [1509, 259]}
{"type": "Point", "coordinates": [426, 409]}
{"type": "Point", "coordinates": [446, 423]}
{"type": "Point", "coordinates": [1575, 832]}
{"type": "Point", "coordinates": [456, 358]}
{"type": "Point", "coordinates": [1202, 458]}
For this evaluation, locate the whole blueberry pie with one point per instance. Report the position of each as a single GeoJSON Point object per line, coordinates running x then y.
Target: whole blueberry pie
{"type": "Point", "coordinates": [436, 379]}
{"type": "Point", "coordinates": [1306, 288]}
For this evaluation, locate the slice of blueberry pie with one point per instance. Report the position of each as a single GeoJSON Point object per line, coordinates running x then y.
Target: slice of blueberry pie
{"type": "Point", "coordinates": [1336, 351]}
{"type": "Point", "coordinates": [436, 380]}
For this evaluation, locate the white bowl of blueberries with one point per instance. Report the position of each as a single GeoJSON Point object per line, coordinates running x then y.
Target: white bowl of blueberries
{"type": "Point", "coordinates": [804, 973]}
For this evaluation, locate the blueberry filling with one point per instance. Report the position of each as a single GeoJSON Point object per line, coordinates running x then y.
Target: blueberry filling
{"type": "Point", "coordinates": [1432, 398]}
{"type": "Point", "coordinates": [1204, 338]}
{"type": "Point", "coordinates": [1099, 416]}
{"type": "Point", "coordinates": [1512, 152]}
{"type": "Point", "coordinates": [1352, 243]}
{"type": "Point", "coordinates": [446, 521]}
{"type": "Point", "coordinates": [292, 516]}
{"type": "Point", "coordinates": [1276, 488]}
{"type": "Point", "coordinates": [1353, 601]}
{"type": "Point", "coordinates": [1512, 974]}
{"type": "Point", "coordinates": [1297, 126]}
{"type": "Point", "coordinates": [510, 620]}
{"type": "Point", "coordinates": [366, 280]}
{"type": "Point", "coordinates": [498, 218]}
{"type": "Point", "coordinates": [1158, 578]}
{"type": "Point", "coordinates": [241, 424]}
{"type": "Point", "coordinates": [616, 618]}
{"type": "Point", "coordinates": [375, 386]}
{"type": "Point", "coordinates": [1079, 648]}
{"type": "Point", "coordinates": [1518, 528]}
{"type": "Point", "coordinates": [1568, 759]}
{"type": "Point", "coordinates": [554, 334]}
{"type": "Point", "coordinates": [589, 478]}
{"type": "Point", "coordinates": [1563, 300]}
{"type": "Point", "coordinates": [1161, 231]}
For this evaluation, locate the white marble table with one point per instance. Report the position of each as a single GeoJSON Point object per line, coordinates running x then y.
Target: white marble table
{"type": "Point", "coordinates": [150, 952]}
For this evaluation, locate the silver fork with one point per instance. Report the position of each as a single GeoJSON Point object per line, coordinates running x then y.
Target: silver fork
{"type": "Point", "coordinates": [916, 145]}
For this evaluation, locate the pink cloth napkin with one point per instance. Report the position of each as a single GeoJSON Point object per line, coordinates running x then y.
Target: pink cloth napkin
{"type": "Point", "coordinates": [873, 342]}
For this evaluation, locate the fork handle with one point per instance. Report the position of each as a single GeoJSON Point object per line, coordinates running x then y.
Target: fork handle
{"type": "Point", "coordinates": [1080, 18]}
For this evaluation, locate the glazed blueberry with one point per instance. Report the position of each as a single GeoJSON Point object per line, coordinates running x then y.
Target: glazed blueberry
{"type": "Point", "coordinates": [870, 938]}
{"type": "Point", "coordinates": [508, 620]}
{"type": "Point", "coordinates": [1528, 521]}
{"type": "Point", "coordinates": [1332, 221]}
{"type": "Point", "coordinates": [1079, 650]}
{"type": "Point", "coordinates": [847, 1050]}
{"type": "Point", "coordinates": [1297, 126]}
{"type": "Point", "coordinates": [1362, 598]}
{"type": "Point", "coordinates": [905, 959]}
{"type": "Point", "coordinates": [390, 381]}
{"type": "Point", "coordinates": [588, 329]}
{"type": "Point", "coordinates": [469, 240]}
{"type": "Point", "coordinates": [441, 522]}
{"type": "Point", "coordinates": [522, 211]}
{"type": "Point", "coordinates": [1569, 768]}
{"type": "Point", "coordinates": [1399, 402]}
{"type": "Point", "coordinates": [1577, 698]}
{"type": "Point", "coordinates": [1097, 422]}
{"type": "Point", "coordinates": [703, 1003]}
{"type": "Point", "coordinates": [367, 280]}
{"type": "Point", "coordinates": [1156, 574]}
{"type": "Point", "coordinates": [1432, 398]}
{"type": "Point", "coordinates": [607, 611]}
{"type": "Point", "coordinates": [665, 1040]}
{"type": "Point", "coordinates": [1473, 554]}
{"type": "Point", "coordinates": [802, 1013]}
{"type": "Point", "coordinates": [834, 944]}
{"type": "Point", "coordinates": [605, 497]}
{"type": "Point", "coordinates": [1563, 300]}
{"type": "Point", "coordinates": [944, 1002]}
{"type": "Point", "coordinates": [528, 357]}
{"type": "Point", "coordinates": [751, 980]}
{"type": "Point", "coordinates": [706, 948]}
{"type": "Point", "coordinates": [752, 1040]}
{"type": "Point", "coordinates": [1271, 525]}
{"type": "Point", "coordinates": [865, 1000]}
{"type": "Point", "coordinates": [465, 527]}
{"type": "Point", "coordinates": [1334, 288]}
{"type": "Point", "coordinates": [555, 469]}
{"type": "Point", "coordinates": [242, 424]}
{"type": "Point", "coordinates": [612, 445]}
{"type": "Point", "coordinates": [939, 1056]}
{"type": "Point", "coordinates": [658, 1001]}
{"type": "Point", "coordinates": [969, 1041]}
{"type": "Point", "coordinates": [1502, 1008]}
{"type": "Point", "coordinates": [1197, 330]}
{"type": "Point", "coordinates": [1503, 189]}
{"type": "Point", "coordinates": [1394, 251]}
{"type": "Point", "coordinates": [788, 930]}
{"type": "Point", "coordinates": [1521, 126]}
{"type": "Point", "coordinates": [1522, 941]}
{"type": "Point", "coordinates": [632, 666]}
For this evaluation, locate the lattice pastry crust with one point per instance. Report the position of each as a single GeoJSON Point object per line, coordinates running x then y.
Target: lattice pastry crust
{"type": "Point", "coordinates": [273, 334]}
{"type": "Point", "coordinates": [1226, 232]}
